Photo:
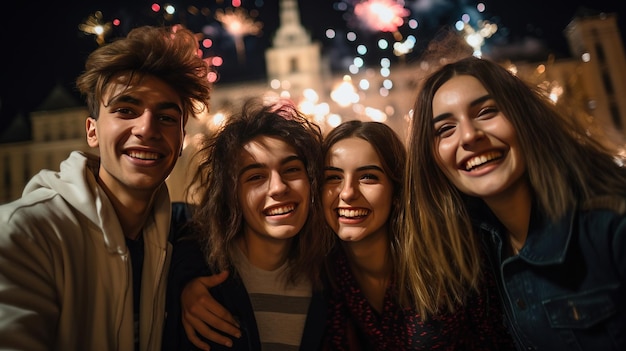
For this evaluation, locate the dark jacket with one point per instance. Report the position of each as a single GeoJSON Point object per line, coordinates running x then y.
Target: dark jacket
{"type": "Point", "coordinates": [566, 290]}
{"type": "Point", "coordinates": [188, 263]}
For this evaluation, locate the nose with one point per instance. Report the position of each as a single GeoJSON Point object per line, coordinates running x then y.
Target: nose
{"type": "Point", "coordinates": [277, 186]}
{"type": "Point", "coordinates": [348, 191]}
{"type": "Point", "coordinates": [470, 133]}
{"type": "Point", "coordinates": [146, 126]}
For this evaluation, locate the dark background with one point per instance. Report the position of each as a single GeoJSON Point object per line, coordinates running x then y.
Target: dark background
{"type": "Point", "coordinates": [42, 45]}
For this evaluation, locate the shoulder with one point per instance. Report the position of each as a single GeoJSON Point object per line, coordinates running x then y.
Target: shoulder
{"type": "Point", "coordinates": [37, 226]}
{"type": "Point", "coordinates": [41, 205]}
{"type": "Point", "coordinates": [603, 214]}
{"type": "Point", "coordinates": [179, 224]}
{"type": "Point", "coordinates": [612, 203]}
{"type": "Point", "coordinates": [602, 221]}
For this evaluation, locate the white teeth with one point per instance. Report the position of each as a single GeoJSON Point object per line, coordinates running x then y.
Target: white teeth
{"type": "Point", "coordinates": [349, 213]}
{"type": "Point", "coordinates": [143, 155]}
{"type": "Point", "coordinates": [280, 210]}
{"type": "Point", "coordinates": [482, 159]}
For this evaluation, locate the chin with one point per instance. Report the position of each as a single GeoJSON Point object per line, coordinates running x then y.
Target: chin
{"type": "Point", "coordinates": [349, 238]}
{"type": "Point", "coordinates": [283, 235]}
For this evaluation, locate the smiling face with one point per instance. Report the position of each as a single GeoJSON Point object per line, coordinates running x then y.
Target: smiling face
{"type": "Point", "coordinates": [476, 145]}
{"type": "Point", "coordinates": [274, 189]}
{"type": "Point", "coordinates": [357, 194]}
{"type": "Point", "coordinates": [139, 133]}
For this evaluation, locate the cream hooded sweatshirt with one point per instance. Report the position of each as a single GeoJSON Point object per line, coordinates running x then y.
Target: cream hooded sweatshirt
{"type": "Point", "coordinates": [65, 270]}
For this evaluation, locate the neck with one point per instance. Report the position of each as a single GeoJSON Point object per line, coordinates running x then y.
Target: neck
{"type": "Point", "coordinates": [132, 216]}
{"type": "Point", "coordinates": [371, 266]}
{"type": "Point", "coordinates": [132, 210]}
{"type": "Point", "coordinates": [370, 256]}
{"type": "Point", "coordinates": [513, 211]}
{"type": "Point", "coordinates": [265, 253]}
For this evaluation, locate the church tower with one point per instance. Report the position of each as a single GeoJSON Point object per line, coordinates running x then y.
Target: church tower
{"type": "Point", "coordinates": [293, 60]}
{"type": "Point", "coordinates": [594, 39]}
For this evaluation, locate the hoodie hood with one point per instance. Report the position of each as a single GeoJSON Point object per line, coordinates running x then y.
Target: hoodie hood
{"type": "Point", "coordinates": [76, 183]}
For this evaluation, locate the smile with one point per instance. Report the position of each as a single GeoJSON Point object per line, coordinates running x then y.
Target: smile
{"type": "Point", "coordinates": [483, 159]}
{"type": "Point", "coordinates": [280, 210]}
{"type": "Point", "coordinates": [352, 213]}
{"type": "Point", "coordinates": [143, 155]}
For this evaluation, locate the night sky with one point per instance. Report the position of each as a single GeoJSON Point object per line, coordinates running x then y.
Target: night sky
{"type": "Point", "coordinates": [42, 45]}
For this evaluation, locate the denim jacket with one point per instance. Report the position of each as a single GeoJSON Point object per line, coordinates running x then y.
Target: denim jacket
{"type": "Point", "coordinates": [566, 289]}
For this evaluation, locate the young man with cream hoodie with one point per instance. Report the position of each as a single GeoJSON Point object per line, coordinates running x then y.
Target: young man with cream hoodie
{"type": "Point", "coordinates": [84, 254]}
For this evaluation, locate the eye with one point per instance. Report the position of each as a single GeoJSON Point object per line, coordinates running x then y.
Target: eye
{"type": "Point", "coordinates": [124, 111]}
{"type": "Point", "coordinates": [444, 130]}
{"type": "Point", "coordinates": [169, 119]}
{"type": "Point", "coordinates": [293, 169]}
{"type": "Point", "coordinates": [254, 174]}
{"type": "Point", "coordinates": [369, 178]}
{"type": "Point", "coordinates": [332, 178]}
{"type": "Point", "coordinates": [488, 112]}
{"type": "Point", "coordinates": [253, 177]}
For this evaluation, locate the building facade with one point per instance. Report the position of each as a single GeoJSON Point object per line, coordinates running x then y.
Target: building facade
{"type": "Point", "coordinates": [593, 80]}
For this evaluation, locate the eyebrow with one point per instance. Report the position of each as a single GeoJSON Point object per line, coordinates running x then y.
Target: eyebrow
{"type": "Point", "coordinates": [262, 165]}
{"type": "Point", "coordinates": [475, 102]}
{"type": "Point", "coordinates": [360, 169]}
{"type": "Point", "coordinates": [133, 100]}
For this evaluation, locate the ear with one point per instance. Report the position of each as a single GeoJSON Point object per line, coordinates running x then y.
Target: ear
{"type": "Point", "coordinates": [92, 135]}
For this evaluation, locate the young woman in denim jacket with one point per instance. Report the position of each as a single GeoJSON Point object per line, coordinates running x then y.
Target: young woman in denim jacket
{"type": "Point", "coordinates": [545, 193]}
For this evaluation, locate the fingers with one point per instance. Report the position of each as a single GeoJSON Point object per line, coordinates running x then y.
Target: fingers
{"type": "Point", "coordinates": [197, 300]}
{"type": "Point", "coordinates": [193, 338]}
{"type": "Point", "coordinates": [204, 312]}
{"type": "Point", "coordinates": [194, 327]}
{"type": "Point", "coordinates": [203, 315]}
{"type": "Point", "coordinates": [213, 280]}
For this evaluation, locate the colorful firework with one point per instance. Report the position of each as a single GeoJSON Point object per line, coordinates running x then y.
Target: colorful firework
{"type": "Point", "coordinates": [381, 15]}
{"type": "Point", "coordinates": [238, 23]}
{"type": "Point", "coordinates": [95, 25]}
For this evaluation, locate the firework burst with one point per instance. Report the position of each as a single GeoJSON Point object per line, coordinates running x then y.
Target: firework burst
{"type": "Point", "coordinates": [381, 15]}
{"type": "Point", "coordinates": [238, 23]}
{"type": "Point", "coordinates": [95, 25]}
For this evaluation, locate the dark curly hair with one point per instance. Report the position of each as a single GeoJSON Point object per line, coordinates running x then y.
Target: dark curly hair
{"type": "Point", "coordinates": [219, 217]}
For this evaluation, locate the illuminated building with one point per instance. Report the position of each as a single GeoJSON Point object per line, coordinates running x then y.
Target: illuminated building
{"type": "Point", "coordinates": [594, 79]}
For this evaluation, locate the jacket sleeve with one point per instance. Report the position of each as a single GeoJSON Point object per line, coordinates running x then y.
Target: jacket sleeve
{"type": "Point", "coordinates": [606, 215]}
{"type": "Point", "coordinates": [619, 248]}
{"type": "Point", "coordinates": [603, 240]}
{"type": "Point", "coordinates": [188, 262]}
{"type": "Point", "coordinates": [29, 308]}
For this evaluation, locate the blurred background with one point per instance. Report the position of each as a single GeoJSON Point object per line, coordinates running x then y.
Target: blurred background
{"type": "Point", "coordinates": [338, 60]}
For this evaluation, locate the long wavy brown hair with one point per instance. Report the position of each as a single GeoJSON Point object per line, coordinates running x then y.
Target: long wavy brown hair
{"type": "Point", "coordinates": [567, 163]}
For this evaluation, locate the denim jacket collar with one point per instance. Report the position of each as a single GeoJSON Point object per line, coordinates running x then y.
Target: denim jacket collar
{"type": "Point", "coordinates": [547, 242]}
